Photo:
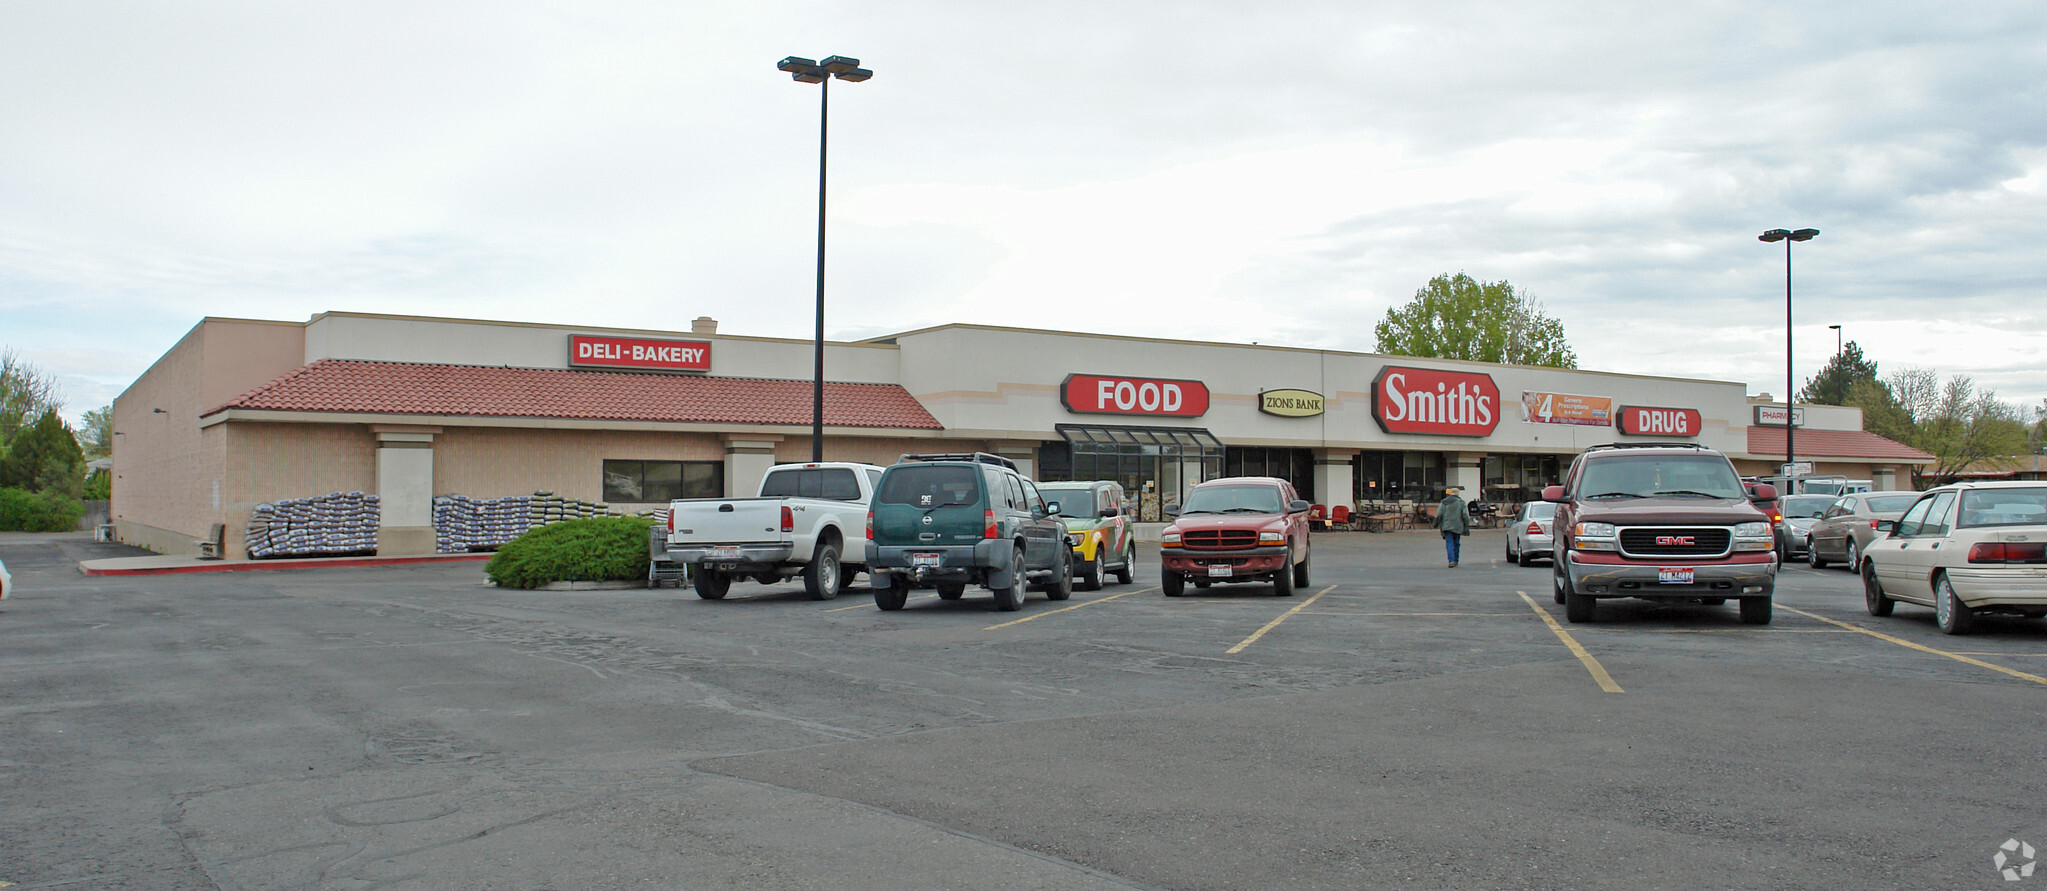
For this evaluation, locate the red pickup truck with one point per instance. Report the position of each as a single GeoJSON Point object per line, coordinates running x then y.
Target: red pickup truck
{"type": "Point", "coordinates": [1237, 529]}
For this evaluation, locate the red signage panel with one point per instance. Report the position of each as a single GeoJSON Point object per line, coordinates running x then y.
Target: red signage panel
{"type": "Point", "coordinates": [1103, 394]}
{"type": "Point", "coordinates": [596, 351]}
{"type": "Point", "coordinates": [1431, 400]}
{"type": "Point", "coordinates": [1636, 420]}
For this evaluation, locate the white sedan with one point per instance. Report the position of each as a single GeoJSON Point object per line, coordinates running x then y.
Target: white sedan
{"type": "Point", "coordinates": [1529, 536]}
{"type": "Point", "coordinates": [1966, 550]}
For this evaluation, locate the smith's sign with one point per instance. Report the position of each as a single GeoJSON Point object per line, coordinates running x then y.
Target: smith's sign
{"type": "Point", "coordinates": [592, 351]}
{"type": "Point", "coordinates": [1429, 400]}
{"type": "Point", "coordinates": [1290, 403]}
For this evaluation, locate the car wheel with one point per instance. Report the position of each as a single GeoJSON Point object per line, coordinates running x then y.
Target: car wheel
{"type": "Point", "coordinates": [822, 577]}
{"type": "Point", "coordinates": [951, 590]}
{"type": "Point", "coordinates": [894, 596]}
{"type": "Point", "coordinates": [1873, 591]}
{"type": "Point", "coordinates": [1173, 583]}
{"type": "Point", "coordinates": [1526, 558]}
{"type": "Point", "coordinates": [1091, 574]}
{"type": "Point", "coordinates": [712, 584]}
{"type": "Point", "coordinates": [1283, 578]}
{"type": "Point", "coordinates": [1948, 611]}
{"type": "Point", "coordinates": [1301, 570]}
{"type": "Point", "coordinates": [1812, 554]}
{"type": "Point", "coordinates": [1755, 610]}
{"type": "Point", "coordinates": [1558, 582]}
{"type": "Point", "coordinates": [1129, 568]}
{"type": "Point", "coordinates": [1579, 608]}
{"type": "Point", "coordinates": [1511, 556]}
{"type": "Point", "coordinates": [1062, 585]}
{"type": "Point", "coordinates": [1853, 558]}
{"type": "Point", "coordinates": [1011, 599]}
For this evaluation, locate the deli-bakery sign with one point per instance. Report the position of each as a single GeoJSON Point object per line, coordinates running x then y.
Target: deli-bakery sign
{"type": "Point", "coordinates": [1105, 394]}
{"type": "Point", "coordinates": [645, 354]}
{"type": "Point", "coordinates": [1429, 400]}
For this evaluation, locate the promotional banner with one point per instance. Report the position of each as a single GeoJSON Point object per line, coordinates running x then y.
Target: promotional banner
{"type": "Point", "coordinates": [1102, 394]}
{"type": "Point", "coordinates": [596, 351]}
{"type": "Point", "coordinates": [1566, 408]}
{"type": "Point", "coordinates": [1428, 400]}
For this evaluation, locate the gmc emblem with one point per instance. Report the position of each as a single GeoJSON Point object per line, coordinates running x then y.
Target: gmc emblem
{"type": "Point", "coordinates": [1670, 540]}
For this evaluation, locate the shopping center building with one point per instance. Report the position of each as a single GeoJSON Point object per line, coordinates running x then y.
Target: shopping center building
{"type": "Point", "coordinates": [244, 415]}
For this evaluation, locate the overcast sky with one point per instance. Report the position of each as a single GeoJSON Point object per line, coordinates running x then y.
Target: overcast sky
{"type": "Point", "coordinates": [1279, 172]}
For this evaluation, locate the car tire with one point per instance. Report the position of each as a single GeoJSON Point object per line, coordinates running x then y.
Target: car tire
{"type": "Point", "coordinates": [1579, 608]}
{"type": "Point", "coordinates": [1854, 558]}
{"type": "Point", "coordinates": [1062, 587]}
{"type": "Point", "coordinates": [951, 590]}
{"type": "Point", "coordinates": [1173, 583]}
{"type": "Point", "coordinates": [1949, 612]}
{"type": "Point", "coordinates": [1755, 610]}
{"type": "Point", "coordinates": [1525, 558]}
{"type": "Point", "coordinates": [1283, 578]}
{"type": "Point", "coordinates": [823, 576]}
{"type": "Point", "coordinates": [1511, 556]}
{"type": "Point", "coordinates": [1091, 573]}
{"type": "Point", "coordinates": [1301, 570]}
{"type": "Point", "coordinates": [894, 596]}
{"type": "Point", "coordinates": [1557, 582]}
{"type": "Point", "coordinates": [712, 584]}
{"type": "Point", "coordinates": [1873, 596]}
{"type": "Point", "coordinates": [1128, 570]}
{"type": "Point", "coordinates": [1812, 554]}
{"type": "Point", "coordinates": [1011, 599]}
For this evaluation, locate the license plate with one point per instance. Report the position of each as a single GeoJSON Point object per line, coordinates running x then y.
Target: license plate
{"type": "Point", "coordinates": [724, 553]}
{"type": "Point", "coordinates": [1218, 570]}
{"type": "Point", "coordinates": [1674, 575]}
{"type": "Point", "coordinates": [924, 559]}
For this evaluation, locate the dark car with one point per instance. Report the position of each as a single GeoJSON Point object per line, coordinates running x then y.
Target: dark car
{"type": "Point", "coordinates": [949, 521]}
{"type": "Point", "coordinates": [1661, 522]}
{"type": "Point", "coordinates": [1237, 529]}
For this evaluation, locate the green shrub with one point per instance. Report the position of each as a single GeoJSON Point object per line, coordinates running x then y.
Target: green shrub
{"type": "Point", "coordinates": [99, 486]}
{"type": "Point", "coordinates": [25, 511]}
{"type": "Point", "coordinates": [589, 550]}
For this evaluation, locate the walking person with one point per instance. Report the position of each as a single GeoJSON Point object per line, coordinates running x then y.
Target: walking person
{"type": "Point", "coordinates": [1453, 519]}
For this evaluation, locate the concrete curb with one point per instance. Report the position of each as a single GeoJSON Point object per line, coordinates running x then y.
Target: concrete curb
{"type": "Point", "coordinates": [172, 565]}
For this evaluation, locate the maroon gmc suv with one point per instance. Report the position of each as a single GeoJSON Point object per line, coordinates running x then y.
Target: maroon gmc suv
{"type": "Point", "coordinates": [1237, 529]}
{"type": "Point", "coordinates": [1661, 522]}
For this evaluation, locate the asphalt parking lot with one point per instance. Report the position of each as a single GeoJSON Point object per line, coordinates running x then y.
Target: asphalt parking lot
{"type": "Point", "coordinates": [1396, 724]}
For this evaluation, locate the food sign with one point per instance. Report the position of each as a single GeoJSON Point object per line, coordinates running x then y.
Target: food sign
{"type": "Point", "coordinates": [1101, 394]}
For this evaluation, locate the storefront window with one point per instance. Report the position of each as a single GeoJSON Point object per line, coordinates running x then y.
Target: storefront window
{"type": "Point", "coordinates": [655, 481]}
{"type": "Point", "coordinates": [1397, 476]}
{"type": "Point", "coordinates": [1156, 465]}
{"type": "Point", "coordinates": [1296, 466]}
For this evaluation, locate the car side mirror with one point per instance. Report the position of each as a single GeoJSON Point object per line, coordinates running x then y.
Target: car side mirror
{"type": "Point", "coordinates": [1763, 492]}
{"type": "Point", "coordinates": [1886, 526]}
{"type": "Point", "coordinates": [1553, 493]}
{"type": "Point", "coordinates": [1108, 512]}
{"type": "Point", "coordinates": [1051, 510]}
{"type": "Point", "coordinates": [1296, 507]}
{"type": "Point", "coordinates": [1171, 510]}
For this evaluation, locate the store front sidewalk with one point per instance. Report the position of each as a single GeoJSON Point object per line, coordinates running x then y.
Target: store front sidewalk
{"type": "Point", "coordinates": [158, 564]}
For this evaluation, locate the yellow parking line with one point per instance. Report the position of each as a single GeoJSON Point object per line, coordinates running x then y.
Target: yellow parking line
{"type": "Point", "coordinates": [1275, 622]}
{"type": "Point", "coordinates": [1592, 665]}
{"type": "Point", "coordinates": [1036, 616]}
{"type": "Point", "coordinates": [1921, 647]}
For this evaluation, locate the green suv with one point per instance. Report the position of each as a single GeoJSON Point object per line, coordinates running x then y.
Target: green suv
{"type": "Point", "coordinates": [949, 521]}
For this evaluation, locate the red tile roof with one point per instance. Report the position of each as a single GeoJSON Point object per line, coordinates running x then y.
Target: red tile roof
{"type": "Point", "coordinates": [399, 388]}
{"type": "Point", "coordinates": [1833, 444]}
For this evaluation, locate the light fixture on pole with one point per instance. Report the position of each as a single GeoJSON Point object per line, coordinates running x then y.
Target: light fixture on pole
{"type": "Point", "coordinates": [1790, 398]}
{"type": "Point", "coordinates": [821, 73]}
{"type": "Point", "coordinates": [1837, 339]}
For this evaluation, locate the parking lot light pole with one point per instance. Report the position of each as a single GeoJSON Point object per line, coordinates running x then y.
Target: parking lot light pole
{"type": "Point", "coordinates": [1837, 339]}
{"type": "Point", "coordinates": [821, 73]}
{"type": "Point", "coordinates": [1790, 398]}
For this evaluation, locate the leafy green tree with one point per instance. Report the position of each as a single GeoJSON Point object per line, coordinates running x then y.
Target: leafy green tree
{"type": "Point", "coordinates": [1960, 426]}
{"type": "Point", "coordinates": [97, 435]}
{"type": "Point", "coordinates": [45, 457]}
{"type": "Point", "coordinates": [1459, 317]}
{"type": "Point", "coordinates": [25, 392]}
{"type": "Point", "coordinates": [1831, 385]}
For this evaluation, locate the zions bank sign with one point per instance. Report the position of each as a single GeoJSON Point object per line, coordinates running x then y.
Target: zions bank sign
{"type": "Point", "coordinates": [1433, 401]}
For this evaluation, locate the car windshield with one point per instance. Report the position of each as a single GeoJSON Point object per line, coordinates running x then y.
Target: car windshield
{"type": "Point", "coordinates": [1891, 504]}
{"type": "Point", "coordinates": [1807, 506]}
{"type": "Point", "coordinates": [1223, 499]}
{"type": "Point", "coordinates": [1072, 501]}
{"type": "Point", "coordinates": [1649, 476]}
{"type": "Point", "coordinates": [932, 486]}
{"type": "Point", "coordinates": [2003, 507]}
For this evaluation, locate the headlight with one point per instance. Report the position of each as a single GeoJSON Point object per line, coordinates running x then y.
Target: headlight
{"type": "Point", "coordinates": [1753, 537]}
{"type": "Point", "coordinates": [1272, 537]}
{"type": "Point", "coordinates": [1169, 538]}
{"type": "Point", "coordinates": [1594, 537]}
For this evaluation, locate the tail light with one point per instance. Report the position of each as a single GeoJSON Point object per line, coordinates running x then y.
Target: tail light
{"type": "Point", "coordinates": [671, 523]}
{"type": "Point", "coordinates": [2008, 552]}
{"type": "Point", "coordinates": [788, 519]}
{"type": "Point", "coordinates": [988, 521]}
{"type": "Point", "coordinates": [870, 525]}
{"type": "Point", "coordinates": [1534, 528]}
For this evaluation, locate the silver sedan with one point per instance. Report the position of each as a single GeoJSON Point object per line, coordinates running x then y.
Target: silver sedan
{"type": "Point", "coordinates": [1845, 530]}
{"type": "Point", "coordinates": [1529, 534]}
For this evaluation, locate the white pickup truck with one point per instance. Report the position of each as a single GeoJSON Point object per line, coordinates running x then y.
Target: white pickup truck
{"type": "Point", "coordinates": [803, 522]}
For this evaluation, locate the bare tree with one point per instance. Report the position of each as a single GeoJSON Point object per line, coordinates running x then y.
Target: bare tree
{"type": "Point", "coordinates": [1963, 428]}
{"type": "Point", "coordinates": [25, 393]}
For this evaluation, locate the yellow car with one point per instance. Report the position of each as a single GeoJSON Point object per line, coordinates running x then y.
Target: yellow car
{"type": "Point", "coordinates": [1098, 520]}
